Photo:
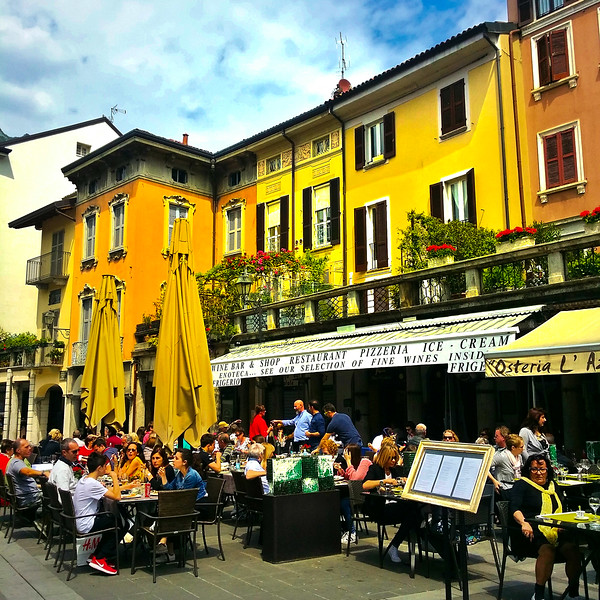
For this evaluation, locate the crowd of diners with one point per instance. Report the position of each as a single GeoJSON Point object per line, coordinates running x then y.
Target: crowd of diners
{"type": "Point", "coordinates": [97, 467]}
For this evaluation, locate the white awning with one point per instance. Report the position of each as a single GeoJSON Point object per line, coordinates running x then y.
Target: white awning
{"type": "Point", "coordinates": [458, 341]}
{"type": "Point", "coordinates": [568, 343]}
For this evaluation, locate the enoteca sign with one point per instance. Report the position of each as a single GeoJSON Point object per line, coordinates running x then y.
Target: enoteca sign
{"type": "Point", "coordinates": [463, 354]}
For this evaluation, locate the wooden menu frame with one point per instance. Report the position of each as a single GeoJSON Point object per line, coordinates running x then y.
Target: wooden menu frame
{"type": "Point", "coordinates": [449, 474]}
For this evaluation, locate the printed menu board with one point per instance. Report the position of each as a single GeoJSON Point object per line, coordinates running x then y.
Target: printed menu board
{"type": "Point", "coordinates": [449, 474]}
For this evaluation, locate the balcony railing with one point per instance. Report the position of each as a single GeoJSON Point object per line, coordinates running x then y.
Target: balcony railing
{"type": "Point", "coordinates": [542, 274]}
{"type": "Point", "coordinates": [38, 357]}
{"type": "Point", "coordinates": [48, 268]}
{"type": "Point", "coordinates": [79, 353]}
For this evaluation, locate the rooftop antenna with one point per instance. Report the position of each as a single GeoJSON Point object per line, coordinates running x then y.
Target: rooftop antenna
{"type": "Point", "coordinates": [343, 84]}
{"type": "Point", "coordinates": [114, 110]}
{"type": "Point", "coordinates": [343, 62]}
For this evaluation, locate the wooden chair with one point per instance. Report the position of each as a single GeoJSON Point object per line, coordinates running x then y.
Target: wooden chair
{"type": "Point", "coordinates": [211, 511]}
{"type": "Point", "coordinates": [254, 505]}
{"type": "Point", "coordinates": [176, 517]}
{"type": "Point", "coordinates": [70, 530]}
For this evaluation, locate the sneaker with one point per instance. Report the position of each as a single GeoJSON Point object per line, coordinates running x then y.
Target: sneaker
{"type": "Point", "coordinates": [394, 556]}
{"type": "Point", "coordinates": [101, 565]}
{"type": "Point", "coordinates": [161, 549]}
{"type": "Point", "coordinates": [127, 538]}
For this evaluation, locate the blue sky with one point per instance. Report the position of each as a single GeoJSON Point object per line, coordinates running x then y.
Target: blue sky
{"type": "Point", "coordinates": [219, 71]}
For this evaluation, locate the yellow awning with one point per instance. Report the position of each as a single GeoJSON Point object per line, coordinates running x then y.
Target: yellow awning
{"type": "Point", "coordinates": [567, 343]}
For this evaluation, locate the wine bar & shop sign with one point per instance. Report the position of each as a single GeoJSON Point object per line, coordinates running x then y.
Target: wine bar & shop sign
{"type": "Point", "coordinates": [461, 354]}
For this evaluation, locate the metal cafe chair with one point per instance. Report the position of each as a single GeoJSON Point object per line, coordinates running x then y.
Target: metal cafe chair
{"type": "Point", "coordinates": [70, 530]}
{"type": "Point", "coordinates": [211, 512]}
{"type": "Point", "coordinates": [254, 505]}
{"type": "Point", "coordinates": [239, 482]}
{"type": "Point", "coordinates": [176, 517]}
{"type": "Point", "coordinates": [13, 506]}
{"type": "Point", "coordinates": [55, 528]}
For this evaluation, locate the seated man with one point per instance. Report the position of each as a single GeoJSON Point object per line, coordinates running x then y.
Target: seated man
{"type": "Point", "coordinates": [207, 458]}
{"type": "Point", "coordinates": [62, 475]}
{"type": "Point", "coordinates": [225, 446]}
{"type": "Point", "coordinates": [86, 500]}
{"type": "Point", "coordinates": [26, 489]}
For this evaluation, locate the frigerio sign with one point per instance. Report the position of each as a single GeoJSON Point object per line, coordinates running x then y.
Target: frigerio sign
{"type": "Point", "coordinates": [462, 355]}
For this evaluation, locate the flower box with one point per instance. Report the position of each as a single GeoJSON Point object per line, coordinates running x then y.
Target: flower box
{"type": "Point", "coordinates": [518, 244]}
{"type": "Point", "coordinates": [591, 228]}
{"type": "Point", "coordinates": [439, 261]}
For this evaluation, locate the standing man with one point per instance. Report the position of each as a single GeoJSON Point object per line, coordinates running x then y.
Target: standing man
{"type": "Point", "coordinates": [316, 429]}
{"type": "Point", "coordinates": [341, 425]}
{"type": "Point", "coordinates": [259, 425]}
{"type": "Point", "coordinates": [301, 423]}
{"type": "Point", "coordinates": [62, 472]}
{"type": "Point", "coordinates": [26, 489]}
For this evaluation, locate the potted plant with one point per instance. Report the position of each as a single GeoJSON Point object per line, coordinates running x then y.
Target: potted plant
{"type": "Point", "coordinates": [591, 220]}
{"type": "Point", "coordinates": [440, 255]}
{"type": "Point", "coordinates": [516, 238]}
{"type": "Point", "coordinates": [55, 355]}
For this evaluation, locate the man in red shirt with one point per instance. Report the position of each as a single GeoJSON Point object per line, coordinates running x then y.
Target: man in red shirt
{"type": "Point", "coordinates": [258, 426]}
{"type": "Point", "coordinates": [6, 451]}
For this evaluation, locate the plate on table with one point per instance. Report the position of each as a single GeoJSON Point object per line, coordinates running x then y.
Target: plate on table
{"type": "Point", "coordinates": [338, 478]}
{"type": "Point", "coordinates": [584, 518]}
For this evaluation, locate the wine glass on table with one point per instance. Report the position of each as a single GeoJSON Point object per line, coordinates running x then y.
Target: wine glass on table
{"type": "Point", "coordinates": [579, 467]}
{"type": "Point", "coordinates": [594, 503]}
{"type": "Point", "coordinates": [586, 465]}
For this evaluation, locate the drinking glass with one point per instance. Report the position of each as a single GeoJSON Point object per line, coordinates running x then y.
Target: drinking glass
{"type": "Point", "coordinates": [594, 503]}
{"type": "Point", "coordinates": [579, 467]}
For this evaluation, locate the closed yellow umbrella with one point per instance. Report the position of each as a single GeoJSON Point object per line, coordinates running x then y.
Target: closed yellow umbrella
{"type": "Point", "coordinates": [103, 380]}
{"type": "Point", "coordinates": [185, 402]}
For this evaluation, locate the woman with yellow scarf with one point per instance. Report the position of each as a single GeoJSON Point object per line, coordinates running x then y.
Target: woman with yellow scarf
{"type": "Point", "coordinates": [534, 494]}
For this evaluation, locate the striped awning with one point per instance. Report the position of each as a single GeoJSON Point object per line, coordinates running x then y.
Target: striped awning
{"type": "Point", "coordinates": [458, 341]}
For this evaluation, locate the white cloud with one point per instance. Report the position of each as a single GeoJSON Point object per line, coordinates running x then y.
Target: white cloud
{"type": "Point", "coordinates": [219, 71]}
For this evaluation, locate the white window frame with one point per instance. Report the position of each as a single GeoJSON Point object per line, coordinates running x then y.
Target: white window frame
{"type": "Point", "coordinates": [321, 145]}
{"type": "Point", "coordinates": [370, 232]}
{"type": "Point", "coordinates": [571, 78]}
{"type": "Point", "coordinates": [273, 226]}
{"type": "Point", "coordinates": [321, 217]}
{"type": "Point", "coordinates": [273, 164]}
{"type": "Point", "coordinates": [82, 149]}
{"type": "Point", "coordinates": [119, 203]}
{"type": "Point", "coordinates": [181, 203]}
{"type": "Point", "coordinates": [581, 182]}
{"type": "Point", "coordinates": [233, 230]}
{"type": "Point", "coordinates": [89, 216]}
{"type": "Point", "coordinates": [86, 300]}
{"type": "Point", "coordinates": [448, 204]}
{"type": "Point", "coordinates": [374, 136]}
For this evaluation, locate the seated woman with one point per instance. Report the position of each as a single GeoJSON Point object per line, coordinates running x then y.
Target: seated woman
{"type": "Point", "coordinates": [356, 464]}
{"type": "Point", "coordinates": [186, 477]}
{"type": "Point", "coordinates": [159, 459]}
{"type": "Point", "coordinates": [388, 432]}
{"type": "Point", "coordinates": [254, 467]}
{"type": "Point", "coordinates": [534, 494]}
{"type": "Point", "coordinates": [131, 465]}
{"type": "Point", "coordinates": [507, 465]}
{"type": "Point", "coordinates": [386, 468]}
{"type": "Point", "coordinates": [449, 436]}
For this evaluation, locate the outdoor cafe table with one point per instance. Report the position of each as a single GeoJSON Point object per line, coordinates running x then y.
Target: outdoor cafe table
{"type": "Point", "coordinates": [586, 529]}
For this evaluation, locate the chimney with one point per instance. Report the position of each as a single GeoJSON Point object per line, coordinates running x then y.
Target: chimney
{"type": "Point", "coordinates": [185, 139]}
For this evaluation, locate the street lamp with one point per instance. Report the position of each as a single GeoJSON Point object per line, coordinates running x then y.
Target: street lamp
{"type": "Point", "coordinates": [243, 284]}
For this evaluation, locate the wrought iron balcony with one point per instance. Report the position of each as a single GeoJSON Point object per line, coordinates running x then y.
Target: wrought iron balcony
{"type": "Point", "coordinates": [79, 353]}
{"type": "Point", "coordinates": [553, 273]}
{"type": "Point", "coordinates": [51, 267]}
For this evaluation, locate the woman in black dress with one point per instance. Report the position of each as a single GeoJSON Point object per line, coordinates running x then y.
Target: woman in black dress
{"type": "Point", "coordinates": [534, 494]}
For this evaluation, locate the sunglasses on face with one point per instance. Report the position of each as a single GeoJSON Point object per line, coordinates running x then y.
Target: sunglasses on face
{"type": "Point", "coordinates": [131, 449]}
{"type": "Point", "coordinates": [448, 437]}
{"type": "Point", "coordinates": [538, 469]}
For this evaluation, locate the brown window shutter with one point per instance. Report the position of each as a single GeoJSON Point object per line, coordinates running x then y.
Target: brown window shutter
{"type": "Point", "coordinates": [360, 239]}
{"type": "Point", "coordinates": [471, 205]}
{"type": "Point", "coordinates": [543, 52]}
{"type": "Point", "coordinates": [436, 200]}
{"type": "Point", "coordinates": [260, 227]}
{"type": "Point", "coordinates": [359, 147]}
{"type": "Point", "coordinates": [389, 135]}
{"type": "Point", "coordinates": [446, 109]}
{"type": "Point", "coordinates": [525, 8]}
{"type": "Point", "coordinates": [551, 160]}
{"type": "Point", "coordinates": [334, 209]}
{"type": "Point", "coordinates": [307, 218]}
{"type": "Point", "coordinates": [559, 59]}
{"type": "Point", "coordinates": [381, 237]}
{"type": "Point", "coordinates": [458, 100]}
{"type": "Point", "coordinates": [568, 159]}
{"type": "Point", "coordinates": [284, 222]}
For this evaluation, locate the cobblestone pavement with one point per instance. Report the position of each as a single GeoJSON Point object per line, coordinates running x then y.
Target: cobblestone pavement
{"type": "Point", "coordinates": [24, 574]}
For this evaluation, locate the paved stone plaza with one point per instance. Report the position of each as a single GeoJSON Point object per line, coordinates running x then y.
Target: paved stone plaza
{"type": "Point", "coordinates": [24, 574]}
